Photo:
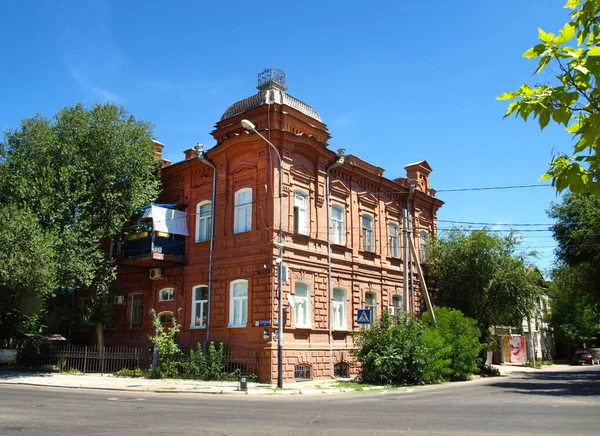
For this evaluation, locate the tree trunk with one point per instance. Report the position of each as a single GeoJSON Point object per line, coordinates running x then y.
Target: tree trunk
{"type": "Point", "coordinates": [100, 336]}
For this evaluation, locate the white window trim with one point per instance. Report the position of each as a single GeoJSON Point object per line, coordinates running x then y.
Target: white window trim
{"type": "Point", "coordinates": [160, 294]}
{"type": "Point", "coordinates": [343, 317]}
{"type": "Point", "coordinates": [237, 226]}
{"type": "Point", "coordinates": [341, 235]}
{"type": "Point", "coordinates": [373, 308]}
{"type": "Point", "coordinates": [395, 247]}
{"type": "Point", "coordinates": [307, 314]}
{"type": "Point", "coordinates": [303, 215]}
{"type": "Point", "coordinates": [232, 304]}
{"type": "Point", "coordinates": [364, 235]}
{"type": "Point", "coordinates": [203, 220]}
{"type": "Point", "coordinates": [204, 308]}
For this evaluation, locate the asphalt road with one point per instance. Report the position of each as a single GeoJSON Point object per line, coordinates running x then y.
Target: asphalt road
{"type": "Point", "coordinates": [548, 403]}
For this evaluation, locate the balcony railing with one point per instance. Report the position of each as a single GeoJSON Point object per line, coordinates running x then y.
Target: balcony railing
{"type": "Point", "coordinates": [152, 244]}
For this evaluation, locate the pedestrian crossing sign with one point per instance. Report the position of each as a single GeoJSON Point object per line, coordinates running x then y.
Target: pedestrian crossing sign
{"type": "Point", "coordinates": [363, 316]}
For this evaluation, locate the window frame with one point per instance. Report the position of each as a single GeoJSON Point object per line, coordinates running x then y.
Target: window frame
{"type": "Point", "coordinates": [423, 242]}
{"type": "Point", "coordinates": [171, 297]}
{"type": "Point", "coordinates": [301, 213]}
{"type": "Point", "coordinates": [373, 306]}
{"type": "Point", "coordinates": [166, 313]}
{"type": "Point", "coordinates": [203, 308]}
{"type": "Point", "coordinates": [246, 208]}
{"type": "Point", "coordinates": [394, 309]}
{"type": "Point", "coordinates": [306, 320]}
{"type": "Point", "coordinates": [204, 221]}
{"type": "Point", "coordinates": [339, 315]}
{"type": "Point", "coordinates": [394, 240]}
{"type": "Point", "coordinates": [368, 234]}
{"type": "Point", "coordinates": [233, 323]}
{"type": "Point", "coordinates": [131, 298]}
{"type": "Point", "coordinates": [338, 227]}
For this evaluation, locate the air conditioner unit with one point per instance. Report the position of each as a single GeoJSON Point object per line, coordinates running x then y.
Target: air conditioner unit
{"type": "Point", "coordinates": [155, 273]}
{"type": "Point", "coordinates": [119, 299]}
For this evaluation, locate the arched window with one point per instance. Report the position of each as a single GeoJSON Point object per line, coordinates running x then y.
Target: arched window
{"type": "Point", "coordinates": [302, 372]}
{"type": "Point", "coordinates": [371, 304]}
{"type": "Point", "coordinates": [396, 306]}
{"type": "Point", "coordinates": [203, 221]}
{"type": "Point", "coordinates": [301, 222]}
{"type": "Point", "coordinates": [339, 309]}
{"type": "Point", "coordinates": [199, 306]}
{"type": "Point", "coordinates": [166, 318]}
{"type": "Point", "coordinates": [238, 307]}
{"type": "Point", "coordinates": [302, 309]}
{"type": "Point", "coordinates": [337, 225]}
{"type": "Point", "coordinates": [341, 369]}
{"type": "Point", "coordinates": [367, 233]}
{"type": "Point", "coordinates": [242, 220]}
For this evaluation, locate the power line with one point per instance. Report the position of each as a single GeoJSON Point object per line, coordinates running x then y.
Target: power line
{"type": "Point", "coordinates": [493, 188]}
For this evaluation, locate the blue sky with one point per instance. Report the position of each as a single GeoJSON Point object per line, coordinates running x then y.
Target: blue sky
{"type": "Point", "coordinates": [396, 82]}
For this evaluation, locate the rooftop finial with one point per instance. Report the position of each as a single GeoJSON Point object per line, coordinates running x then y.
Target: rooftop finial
{"type": "Point", "coordinates": [271, 78]}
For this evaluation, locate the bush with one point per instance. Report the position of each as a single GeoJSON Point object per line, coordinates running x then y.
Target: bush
{"type": "Point", "coordinates": [399, 350]}
{"type": "Point", "coordinates": [168, 349]}
{"type": "Point", "coordinates": [209, 366]}
{"type": "Point", "coordinates": [460, 338]}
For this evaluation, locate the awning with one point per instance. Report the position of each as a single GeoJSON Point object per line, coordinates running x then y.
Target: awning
{"type": "Point", "coordinates": [167, 220]}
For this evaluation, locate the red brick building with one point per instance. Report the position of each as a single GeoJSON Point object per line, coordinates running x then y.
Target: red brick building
{"type": "Point", "coordinates": [223, 286]}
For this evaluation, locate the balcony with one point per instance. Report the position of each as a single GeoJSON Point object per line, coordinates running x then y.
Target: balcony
{"type": "Point", "coordinates": [152, 249]}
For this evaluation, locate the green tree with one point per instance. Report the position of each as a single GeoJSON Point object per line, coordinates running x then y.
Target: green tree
{"type": "Point", "coordinates": [83, 174]}
{"type": "Point", "coordinates": [482, 275]}
{"type": "Point", "coordinates": [27, 267]}
{"type": "Point", "coordinates": [571, 99]}
{"type": "Point", "coordinates": [577, 233]}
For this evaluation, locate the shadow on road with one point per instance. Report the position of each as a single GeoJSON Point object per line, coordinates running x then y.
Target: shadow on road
{"type": "Point", "coordinates": [561, 383]}
{"type": "Point", "coordinates": [16, 374]}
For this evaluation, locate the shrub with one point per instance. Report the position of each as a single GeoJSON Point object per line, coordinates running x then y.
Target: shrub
{"type": "Point", "coordinates": [206, 366]}
{"type": "Point", "coordinates": [399, 350]}
{"type": "Point", "coordinates": [460, 341]}
{"type": "Point", "coordinates": [168, 349]}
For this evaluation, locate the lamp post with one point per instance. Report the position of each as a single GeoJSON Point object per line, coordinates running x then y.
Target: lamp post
{"type": "Point", "coordinates": [249, 126]}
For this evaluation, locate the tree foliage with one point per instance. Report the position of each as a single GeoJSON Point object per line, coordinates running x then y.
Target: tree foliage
{"type": "Point", "coordinates": [572, 99]}
{"type": "Point", "coordinates": [482, 275]}
{"type": "Point", "coordinates": [27, 267]}
{"type": "Point", "coordinates": [81, 174]}
{"type": "Point", "coordinates": [575, 290]}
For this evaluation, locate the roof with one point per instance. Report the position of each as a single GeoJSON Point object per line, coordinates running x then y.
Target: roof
{"type": "Point", "coordinates": [270, 96]}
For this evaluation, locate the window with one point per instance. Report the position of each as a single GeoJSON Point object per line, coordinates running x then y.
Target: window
{"type": "Point", "coordinates": [301, 225]}
{"type": "Point", "coordinates": [199, 306]}
{"type": "Point", "coordinates": [371, 304]}
{"type": "Point", "coordinates": [167, 294]}
{"type": "Point", "coordinates": [424, 242]}
{"type": "Point", "coordinates": [339, 309]}
{"type": "Point", "coordinates": [243, 211]}
{"type": "Point", "coordinates": [302, 309]}
{"type": "Point", "coordinates": [238, 310]}
{"type": "Point", "coordinates": [396, 306]}
{"type": "Point", "coordinates": [367, 228]}
{"type": "Point", "coordinates": [136, 311]}
{"type": "Point", "coordinates": [166, 318]}
{"type": "Point", "coordinates": [302, 372]}
{"type": "Point", "coordinates": [337, 225]}
{"type": "Point", "coordinates": [341, 369]}
{"type": "Point", "coordinates": [203, 221]}
{"type": "Point", "coordinates": [394, 241]}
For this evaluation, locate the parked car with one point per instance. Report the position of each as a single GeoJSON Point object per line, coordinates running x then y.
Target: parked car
{"type": "Point", "coordinates": [584, 356]}
{"type": "Point", "coordinates": [596, 355]}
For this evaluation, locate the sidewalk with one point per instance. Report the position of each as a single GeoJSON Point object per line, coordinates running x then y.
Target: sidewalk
{"type": "Point", "coordinates": [111, 382]}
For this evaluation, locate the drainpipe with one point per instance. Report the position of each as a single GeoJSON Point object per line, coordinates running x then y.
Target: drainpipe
{"type": "Point", "coordinates": [339, 161]}
{"type": "Point", "coordinates": [411, 193]}
{"type": "Point", "coordinates": [202, 158]}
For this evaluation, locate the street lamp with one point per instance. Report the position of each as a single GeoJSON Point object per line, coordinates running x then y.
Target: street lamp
{"type": "Point", "coordinates": [249, 126]}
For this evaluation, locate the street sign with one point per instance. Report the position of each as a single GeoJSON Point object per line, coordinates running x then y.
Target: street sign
{"type": "Point", "coordinates": [363, 316]}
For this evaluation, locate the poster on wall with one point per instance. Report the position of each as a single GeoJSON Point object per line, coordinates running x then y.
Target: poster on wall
{"type": "Point", "coordinates": [518, 352]}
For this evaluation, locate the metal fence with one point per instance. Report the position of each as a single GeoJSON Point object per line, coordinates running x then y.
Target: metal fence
{"type": "Point", "coordinates": [90, 359]}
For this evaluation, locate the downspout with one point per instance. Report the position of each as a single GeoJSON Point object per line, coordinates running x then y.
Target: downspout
{"type": "Point", "coordinates": [339, 161]}
{"type": "Point", "coordinates": [202, 158]}
{"type": "Point", "coordinates": [411, 193]}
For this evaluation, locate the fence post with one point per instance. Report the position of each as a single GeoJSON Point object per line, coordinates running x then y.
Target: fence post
{"type": "Point", "coordinates": [85, 360]}
{"type": "Point", "coordinates": [101, 360]}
